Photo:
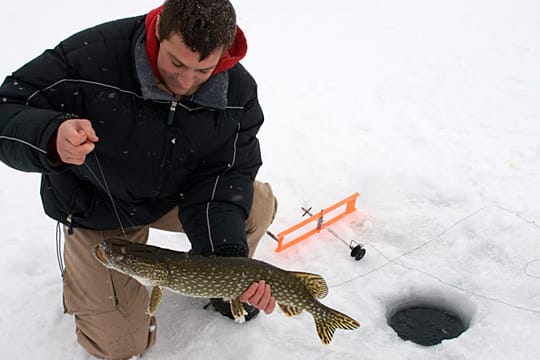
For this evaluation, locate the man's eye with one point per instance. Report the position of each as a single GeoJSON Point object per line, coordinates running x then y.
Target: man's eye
{"type": "Point", "coordinates": [177, 64]}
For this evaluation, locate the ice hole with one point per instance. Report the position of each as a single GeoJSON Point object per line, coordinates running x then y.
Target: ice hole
{"type": "Point", "coordinates": [428, 320]}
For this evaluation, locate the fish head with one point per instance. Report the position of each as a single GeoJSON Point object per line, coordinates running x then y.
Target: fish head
{"type": "Point", "coordinates": [137, 260]}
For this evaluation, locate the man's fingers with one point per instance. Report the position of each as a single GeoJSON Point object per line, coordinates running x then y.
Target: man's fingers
{"type": "Point", "coordinates": [246, 296]}
{"type": "Point", "coordinates": [266, 302]}
{"type": "Point", "coordinates": [75, 139]}
{"type": "Point", "coordinates": [76, 154]}
{"type": "Point", "coordinates": [271, 305]}
{"type": "Point", "coordinates": [255, 299]}
{"type": "Point", "coordinates": [259, 295]}
{"type": "Point", "coordinates": [253, 294]}
{"type": "Point", "coordinates": [82, 136]}
{"type": "Point", "coordinates": [86, 127]}
{"type": "Point", "coordinates": [265, 299]}
{"type": "Point", "coordinates": [87, 148]}
{"type": "Point", "coordinates": [78, 150]}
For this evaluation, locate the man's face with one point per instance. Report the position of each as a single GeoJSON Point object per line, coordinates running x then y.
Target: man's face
{"type": "Point", "coordinates": [180, 67]}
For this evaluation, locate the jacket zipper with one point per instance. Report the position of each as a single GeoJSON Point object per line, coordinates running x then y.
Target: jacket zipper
{"type": "Point", "coordinates": [168, 145]}
{"type": "Point", "coordinates": [172, 111]}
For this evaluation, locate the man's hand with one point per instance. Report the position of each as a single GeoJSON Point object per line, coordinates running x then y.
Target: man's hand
{"type": "Point", "coordinates": [74, 140]}
{"type": "Point", "coordinates": [260, 296]}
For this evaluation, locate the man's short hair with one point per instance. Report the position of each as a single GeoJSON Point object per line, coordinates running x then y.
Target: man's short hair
{"type": "Point", "coordinates": [204, 25]}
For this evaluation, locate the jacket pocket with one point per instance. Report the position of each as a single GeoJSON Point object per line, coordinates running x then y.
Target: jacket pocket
{"type": "Point", "coordinates": [65, 196]}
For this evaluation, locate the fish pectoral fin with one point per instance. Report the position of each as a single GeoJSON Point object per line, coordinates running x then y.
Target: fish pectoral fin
{"type": "Point", "coordinates": [313, 282]}
{"type": "Point", "coordinates": [290, 311]}
{"type": "Point", "coordinates": [155, 299]}
{"type": "Point", "coordinates": [237, 310]}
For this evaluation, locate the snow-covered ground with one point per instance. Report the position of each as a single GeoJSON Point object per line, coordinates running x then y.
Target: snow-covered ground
{"type": "Point", "coordinates": [429, 109]}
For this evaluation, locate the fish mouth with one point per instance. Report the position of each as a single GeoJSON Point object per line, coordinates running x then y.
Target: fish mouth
{"type": "Point", "coordinates": [106, 251]}
{"type": "Point", "coordinates": [100, 255]}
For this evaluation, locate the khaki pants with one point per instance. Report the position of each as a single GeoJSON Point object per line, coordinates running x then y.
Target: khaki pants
{"type": "Point", "coordinates": [109, 307]}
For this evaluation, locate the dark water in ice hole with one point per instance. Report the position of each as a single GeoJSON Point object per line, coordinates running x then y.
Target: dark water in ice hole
{"type": "Point", "coordinates": [426, 325]}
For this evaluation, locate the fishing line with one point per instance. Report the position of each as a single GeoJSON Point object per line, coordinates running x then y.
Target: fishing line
{"type": "Point", "coordinates": [393, 261]}
{"type": "Point", "coordinates": [527, 267]}
{"type": "Point", "coordinates": [530, 222]}
{"type": "Point", "coordinates": [104, 185]}
{"type": "Point", "coordinates": [106, 188]}
{"type": "Point", "coordinates": [502, 302]}
{"type": "Point", "coordinates": [59, 257]}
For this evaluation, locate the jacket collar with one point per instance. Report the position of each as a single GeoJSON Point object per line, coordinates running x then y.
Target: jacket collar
{"type": "Point", "coordinates": [211, 94]}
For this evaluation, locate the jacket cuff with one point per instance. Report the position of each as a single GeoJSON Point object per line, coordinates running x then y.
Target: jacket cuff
{"type": "Point", "coordinates": [236, 250]}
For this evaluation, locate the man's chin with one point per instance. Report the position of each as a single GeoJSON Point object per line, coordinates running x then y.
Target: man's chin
{"type": "Point", "coordinates": [180, 91]}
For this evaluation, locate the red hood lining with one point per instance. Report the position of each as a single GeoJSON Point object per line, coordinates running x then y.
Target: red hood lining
{"type": "Point", "coordinates": [229, 58]}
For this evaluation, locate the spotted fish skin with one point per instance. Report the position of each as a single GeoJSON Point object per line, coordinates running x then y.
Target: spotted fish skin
{"type": "Point", "coordinates": [223, 277]}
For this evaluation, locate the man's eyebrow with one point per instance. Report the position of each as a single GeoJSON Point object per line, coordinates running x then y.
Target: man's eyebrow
{"type": "Point", "coordinates": [180, 62]}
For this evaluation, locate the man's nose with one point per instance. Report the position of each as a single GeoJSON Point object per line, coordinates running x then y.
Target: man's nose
{"type": "Point", "coordinates": [185, 78]}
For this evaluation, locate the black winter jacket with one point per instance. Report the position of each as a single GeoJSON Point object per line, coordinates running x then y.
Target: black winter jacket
{"type": "Point", "coordinates": [154, 153]}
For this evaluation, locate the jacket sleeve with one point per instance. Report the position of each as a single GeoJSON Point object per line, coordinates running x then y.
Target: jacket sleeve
{"type": "Point", "coordinates": [215, 205]}
{"type": "Point", "coordinates": [29, 114]}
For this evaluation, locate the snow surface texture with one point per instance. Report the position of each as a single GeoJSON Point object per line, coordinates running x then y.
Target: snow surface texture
{"type": "Point", "coordinates": [429, 109]}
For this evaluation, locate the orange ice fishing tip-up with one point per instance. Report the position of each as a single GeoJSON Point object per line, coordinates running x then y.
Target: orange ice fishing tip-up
{"type": "Point", "coordinates": [303, 230]}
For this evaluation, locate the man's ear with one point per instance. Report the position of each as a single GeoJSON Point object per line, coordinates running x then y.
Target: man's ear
{"type": "Point", "coordinates": [157, 26]}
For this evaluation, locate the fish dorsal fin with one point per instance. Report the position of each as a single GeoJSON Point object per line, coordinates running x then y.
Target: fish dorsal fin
{"type": "Point", "coordinates": [313, 282]}
{"type": "Point", "coordinates": [290, 310]}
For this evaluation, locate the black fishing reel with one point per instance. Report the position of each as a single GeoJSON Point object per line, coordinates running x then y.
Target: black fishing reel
{"type": "Point", "coordinates": [357, 252]}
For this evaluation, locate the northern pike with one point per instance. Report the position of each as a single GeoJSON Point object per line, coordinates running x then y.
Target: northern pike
{"type": "Point", "coordinates": [222, 277]}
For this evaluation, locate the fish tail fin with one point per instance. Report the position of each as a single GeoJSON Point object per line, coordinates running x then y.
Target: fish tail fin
{"type": "Point", "coordinates": [328, 320]}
